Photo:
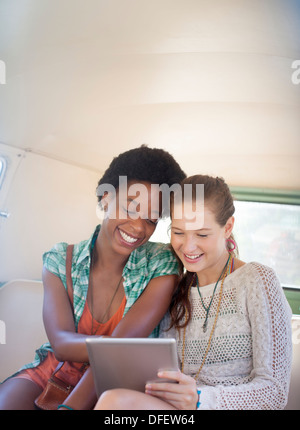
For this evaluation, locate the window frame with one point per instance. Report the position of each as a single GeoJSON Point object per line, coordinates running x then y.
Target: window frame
{"type": "Point", "coordinates": [266, 195]}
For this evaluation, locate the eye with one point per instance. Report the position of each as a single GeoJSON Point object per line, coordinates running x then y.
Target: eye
{"type": "Point", "coordinates": [150, 221]}
{"type": "Point", "coordinates": [202, 235]}
{"type": "Point", "coordinates": [127, 211]}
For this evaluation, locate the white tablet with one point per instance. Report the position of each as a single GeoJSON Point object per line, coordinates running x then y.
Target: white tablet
{"type": "Point", "coordinates": [129, 363]}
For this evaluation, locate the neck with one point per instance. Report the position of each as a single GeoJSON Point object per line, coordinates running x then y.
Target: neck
{"type": "Point", "coordinates": [211, 274]}
{"type": "Point", "coordinates": [105, 258]}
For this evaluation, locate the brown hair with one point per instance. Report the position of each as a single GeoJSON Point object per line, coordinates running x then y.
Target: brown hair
{"type": "Point", "coordinates": [217, 193]}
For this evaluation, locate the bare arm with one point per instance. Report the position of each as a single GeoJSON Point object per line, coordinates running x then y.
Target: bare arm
{"type": "Point", "coordinates": [59, 323]}
{"type": "Point", "coordinates": [149, 309]}
{"type": "Point", "coordinates": [140, 321]}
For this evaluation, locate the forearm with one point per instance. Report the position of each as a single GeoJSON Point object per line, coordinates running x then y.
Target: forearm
{"type": "Point", "coordinates": [260, 394]}
{"type": "Point", "coordinates": [83, 397]}
{"type": "Point", "coordinates": [140, 321]}
{"type": "Point", "coordinates": [70, 346]}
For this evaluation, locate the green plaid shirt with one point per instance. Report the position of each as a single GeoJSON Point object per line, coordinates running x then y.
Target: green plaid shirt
{"type": "Point", "coordinates": [145, 263]}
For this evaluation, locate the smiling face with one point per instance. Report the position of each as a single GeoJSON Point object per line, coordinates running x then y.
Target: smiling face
{"type": "Point", "coordinates": [130, 217]}
{"type": "Point", "coordinates": [203, 248]}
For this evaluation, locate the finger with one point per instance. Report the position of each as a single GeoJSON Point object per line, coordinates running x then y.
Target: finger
{"type": "Point", "coordinates": [181, 382]}
{"type": "Point", "coordinates": [178, 400]}
{"type": "Point", "coordinates": [166, 395]}
{"type": "Point", "coordinates": [163, 386]}
{"type": "Point", "coordinates": [175, 375]}
{"type": "Point", "coordinates": [173, 402]}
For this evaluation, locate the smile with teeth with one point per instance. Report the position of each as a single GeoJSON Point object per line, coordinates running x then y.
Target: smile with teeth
{"type": "Point", "coordinates": [193, 257]}
{"type": "Point", "coordinates": [127, 238]}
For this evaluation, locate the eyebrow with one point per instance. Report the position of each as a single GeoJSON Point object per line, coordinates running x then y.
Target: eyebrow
{"type": "Point", "coordinates": [199, 229]}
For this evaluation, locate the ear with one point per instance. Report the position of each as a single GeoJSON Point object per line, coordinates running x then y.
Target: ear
{"type": "Point", "coordinates": [105, 200]}
{"type": "Point", "coordinates": [229, 227]}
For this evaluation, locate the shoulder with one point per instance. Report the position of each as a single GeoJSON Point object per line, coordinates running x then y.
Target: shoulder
{"type": "Point", "coordinates": [153, 250]}
{"type": "Point", "coordinates": [162, 260]}
{"type": "Point", "coordinates": [157, 248]}
{"type": "Point", "coordinates": [260, 272]}
{"type": "Point", "coordinates": [255, 270]}
{"type": "Point", "coordinates": [81, 250]}
{"type": "Point", "coordinates": [154, 258]}
{"type": "Point", "coordinates": [158, 253]}
{"type": "Point", "coordinates": [259, 281]}
{"type": "Point", "coordinates": [55, 258]}
{"type": "Point", "coordinates": [255, 278]}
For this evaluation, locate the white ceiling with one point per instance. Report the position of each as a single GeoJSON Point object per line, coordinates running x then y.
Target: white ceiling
{"type": "Point", "coordinates": [209, 81]}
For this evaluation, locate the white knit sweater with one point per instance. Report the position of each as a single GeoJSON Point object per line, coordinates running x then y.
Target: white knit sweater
{"type": "Point", "coordinates": [249, 361]}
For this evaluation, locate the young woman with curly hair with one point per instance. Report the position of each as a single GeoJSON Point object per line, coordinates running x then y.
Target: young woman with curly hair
{"type": "Point", "coordinates": [110, 271]}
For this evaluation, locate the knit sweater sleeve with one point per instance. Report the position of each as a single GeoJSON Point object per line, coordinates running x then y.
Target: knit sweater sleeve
{"type": "Point", "coordinates": [270, 319]}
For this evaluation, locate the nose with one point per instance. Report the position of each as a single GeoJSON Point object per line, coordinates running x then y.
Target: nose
{"type": "Point", "coordinates": [189, 244]}
{"type": "Point", "coordinates": [137, 225]}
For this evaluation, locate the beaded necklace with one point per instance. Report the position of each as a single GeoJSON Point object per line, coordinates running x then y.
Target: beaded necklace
{"type": "Point", "coordinates": [229, 264]}
{"type": "Point", "coordinates": [228, 268]}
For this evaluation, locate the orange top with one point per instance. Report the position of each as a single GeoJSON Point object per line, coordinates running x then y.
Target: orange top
{"type": "Point", "coordinates": [72, 372]}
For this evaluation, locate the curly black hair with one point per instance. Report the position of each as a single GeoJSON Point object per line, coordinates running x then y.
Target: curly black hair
{"type": "Point", "coordinates": [152, 165]}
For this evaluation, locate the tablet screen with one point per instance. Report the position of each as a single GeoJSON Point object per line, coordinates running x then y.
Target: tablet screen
{"type": "Point", "coordinates": [129, 363]}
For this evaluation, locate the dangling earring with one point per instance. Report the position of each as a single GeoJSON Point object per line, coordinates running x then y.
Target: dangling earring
{"type": "Point", "coordinates": [233, 243]}
{"type": "Point", "coordinates": [101, 209]}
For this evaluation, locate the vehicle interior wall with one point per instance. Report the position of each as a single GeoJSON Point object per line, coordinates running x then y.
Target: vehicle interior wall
{"type": "Point", "coordinates": [208, 81]}
{"type": "Point", "coordinates": [48, 202]}
{"type": "Point", "coordinates": [216, 83]}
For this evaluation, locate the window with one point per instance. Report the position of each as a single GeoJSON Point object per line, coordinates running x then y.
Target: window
{"type": "Point", "coordinates": [10, 158]}
{"type": "Point", "coordinates": [2, 169]}
{"type": "Point", "coordinates": [270, 234]}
